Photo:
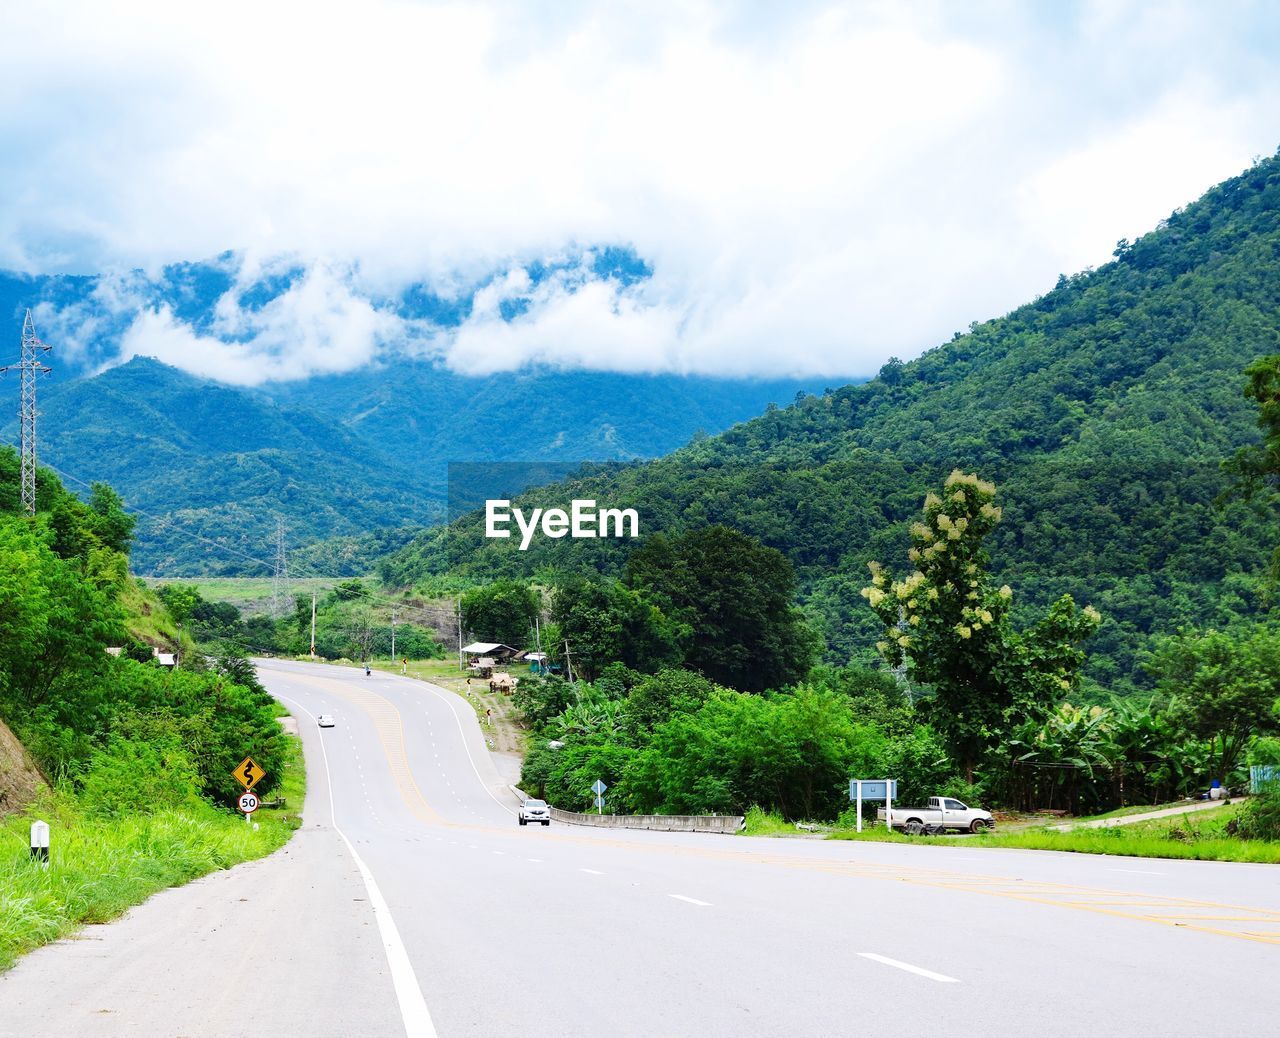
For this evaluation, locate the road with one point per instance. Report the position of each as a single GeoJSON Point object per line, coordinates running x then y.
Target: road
{"type": "Point", "coordinates": [412, 902]}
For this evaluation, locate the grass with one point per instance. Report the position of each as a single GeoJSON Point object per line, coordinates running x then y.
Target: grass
{"type": "Point", "coordinates": [1196, 836]}
{"type": "Point", "coordinates": [246, 591]}
{"type": "Point", "coordinates": [100, 867]}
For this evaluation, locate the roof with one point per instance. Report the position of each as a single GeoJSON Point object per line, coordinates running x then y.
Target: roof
{"type": "Point", "coordinates": [538, 656]}
{"type": "Point", "coordinates": [166, 659]}
{"type": "Point", "coordinates": [484, 648]}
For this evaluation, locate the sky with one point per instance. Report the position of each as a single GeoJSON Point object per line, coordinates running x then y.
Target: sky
{"type": "Point", "coordinates": [810, 188]}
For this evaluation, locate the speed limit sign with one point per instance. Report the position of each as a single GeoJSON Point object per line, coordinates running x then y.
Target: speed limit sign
{"type": "Point", "coordinates": [247, 802]}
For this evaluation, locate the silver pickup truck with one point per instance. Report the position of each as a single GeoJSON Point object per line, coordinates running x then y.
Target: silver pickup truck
{"type": "Point", "coordinates": [942, 813]}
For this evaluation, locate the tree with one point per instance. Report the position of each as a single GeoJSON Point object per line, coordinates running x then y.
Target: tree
{"type": "Point", "coordinates": [181, 600]}
{"type": "Point", "coordinates": [1225, 687]}
{"type": "Point", "coordinates": [604, 622]}
{"type": "Point", "coordinates": [952, 627]}
{"type": "Point", "coordinates": [736, 596]}
{"type": "Point", "coordinates": [502, 611]}
{"type": "Point", "coordinates": [1256, 469]}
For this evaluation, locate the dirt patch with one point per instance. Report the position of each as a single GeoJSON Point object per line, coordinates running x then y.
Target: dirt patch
{"type": "Point", "coordinates": [20, 779]}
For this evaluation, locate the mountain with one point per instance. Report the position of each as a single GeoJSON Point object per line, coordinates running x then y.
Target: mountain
{"type": "Point", "coordinates": [1103, 410]}
{"type": "Point", "coordinates": [212, 466]}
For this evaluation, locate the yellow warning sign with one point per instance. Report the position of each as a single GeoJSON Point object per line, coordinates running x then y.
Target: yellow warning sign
{"type": "Point", "coordinates": [248, 774]}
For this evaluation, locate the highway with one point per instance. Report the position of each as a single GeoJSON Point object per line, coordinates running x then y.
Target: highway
{"type": "Point", "coordinates": [411, 902]}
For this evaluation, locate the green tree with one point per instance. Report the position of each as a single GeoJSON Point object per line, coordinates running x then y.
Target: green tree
{"type": "Point", "coordinates": [604, 622]}
{"type": "Point", "coordinates": [953, 629]}
{"type": "Point", "coordinates": [181, 600]}
{"type": "Point", "coordinates": [737, 597]}
{"type": "Point", "coordinates": [1224, 687]}
{"type": "Point", "coordinates": [502, 611]}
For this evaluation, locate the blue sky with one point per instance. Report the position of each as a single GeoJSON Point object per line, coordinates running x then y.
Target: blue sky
{"type": "Point", "coordinates": [807, 188]}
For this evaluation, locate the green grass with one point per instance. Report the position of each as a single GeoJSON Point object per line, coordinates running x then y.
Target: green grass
{"type": "Point", "coordinates": [100, 867]}
{"type": "Point", "coordinates": [1198, 836]}
{"type": "Point", "coordinates": [246, 591]}
{"type": "Point", "coordinates": [769, 823]}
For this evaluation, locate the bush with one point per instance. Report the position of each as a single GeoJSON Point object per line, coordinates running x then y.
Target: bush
{"type": "Point", "coordinates": [1260, 817]}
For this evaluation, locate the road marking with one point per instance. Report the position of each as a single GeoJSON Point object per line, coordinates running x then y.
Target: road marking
{"type": "Point", "coordinates": [939, 977]}
{"type": "Point", "coordinates": [591, 872]}
{"type": "Point", "coordinates": [1137, 872]}
{"type": "Point", "coordinates": [536, 861]}
{"type": "Point", "coordinates": [690, 900]}
{"type": "Point", "coordinates": [413, 1007]}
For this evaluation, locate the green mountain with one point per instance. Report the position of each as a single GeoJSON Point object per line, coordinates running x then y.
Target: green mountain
{"type": "Point", "coordinates": [1103, 410]}
{"type": "Point", "coordinates": [348, 460]}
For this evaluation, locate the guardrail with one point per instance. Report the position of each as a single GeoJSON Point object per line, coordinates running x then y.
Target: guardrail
{"type": "Point", "coordinates": [661, 823]}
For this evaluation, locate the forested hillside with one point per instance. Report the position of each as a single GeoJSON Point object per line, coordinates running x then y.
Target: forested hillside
{"type": "Point", "coordinates": [1103, 410]}
{"type": "Point", "coordinates": [344, 455]}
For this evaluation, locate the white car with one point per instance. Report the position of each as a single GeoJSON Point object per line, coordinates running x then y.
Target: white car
{"type": "Point", "coordinates": [534, 811]}
{"type": "Point", "coordinates": [325, 720]}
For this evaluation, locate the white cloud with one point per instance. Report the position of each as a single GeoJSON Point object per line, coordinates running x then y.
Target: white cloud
{"type": "Point", "coordinates": [815, 186]}
{"type": "Point", "coordinates": [316, 326]}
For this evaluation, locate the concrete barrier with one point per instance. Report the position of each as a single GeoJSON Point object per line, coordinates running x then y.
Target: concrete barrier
{"type": "Point", "coordinates": [663, 823]}
{"type": "Point", "coordinates": [660, 823]}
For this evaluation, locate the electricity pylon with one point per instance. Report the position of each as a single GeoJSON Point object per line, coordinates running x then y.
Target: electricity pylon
{"type": "Point", "coordinates": [280, 578]}
{"type": "Point", "coordinates": [29, 368]}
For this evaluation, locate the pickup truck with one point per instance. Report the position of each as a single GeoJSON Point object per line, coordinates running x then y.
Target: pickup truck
{"type": "Point", "coordinates": [942, 813]}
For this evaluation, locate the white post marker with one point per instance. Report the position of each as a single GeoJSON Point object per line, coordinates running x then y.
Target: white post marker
{"type": "Point", "coordinates": [40, 842]}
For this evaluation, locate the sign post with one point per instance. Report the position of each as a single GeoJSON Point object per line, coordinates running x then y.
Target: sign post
{"type": "Point", "coordinates": [873, 789]}
{"type": "Point", "coordinates": [598, 788]}
{"type": "Point", "coordinates": [248, 803]}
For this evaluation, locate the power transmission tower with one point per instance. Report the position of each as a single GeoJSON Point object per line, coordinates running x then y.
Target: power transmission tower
{"type": "Point", "coordinates": [280, 578]}
{"type": "Point", "coordinates": [29, 368]}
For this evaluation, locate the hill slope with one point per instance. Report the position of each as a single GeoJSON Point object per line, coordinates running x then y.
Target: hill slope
{"type": "Point", "coordinates": [345, 454]}
{"type": "Point", "coordinates": [1103, 410]}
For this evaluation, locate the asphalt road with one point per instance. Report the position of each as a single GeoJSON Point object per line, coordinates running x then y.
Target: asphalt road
{"type": "Point", "coordinates": [413, 903]}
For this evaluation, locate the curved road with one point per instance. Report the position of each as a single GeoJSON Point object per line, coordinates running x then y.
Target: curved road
{"type": "Point", "coordinates": [412, 902]}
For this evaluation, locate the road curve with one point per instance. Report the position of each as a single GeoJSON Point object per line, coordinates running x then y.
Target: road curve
{"type": "Point", "coordinates": [482, 927]}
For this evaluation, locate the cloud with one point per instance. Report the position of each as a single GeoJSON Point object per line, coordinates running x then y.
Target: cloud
{"type": "Point", "coordinates": [814, 186]}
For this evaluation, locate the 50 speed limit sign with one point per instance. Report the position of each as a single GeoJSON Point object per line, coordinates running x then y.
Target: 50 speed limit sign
{"type": "Point", "coordinates": [247, 802]}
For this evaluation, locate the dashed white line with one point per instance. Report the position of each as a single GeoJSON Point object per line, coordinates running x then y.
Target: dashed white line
{"type": "Point", "coordinates": [591, 872]}
{"type": "Point", "coordinates": [941, 978]}
{"type": "Point", "coordinates": [690, 900]}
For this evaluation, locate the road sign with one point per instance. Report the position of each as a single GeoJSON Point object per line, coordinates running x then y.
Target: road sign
{"type": "Point", "coordinates": [598, 788]}
{"type": "Point", "coordinates": [248, 802]}
{"type": "Point", "coordinates": [599, 802]}
{"type": "Point", "coordinates": [248, 774]}
{"type": "Point", "coordinates": [873, 790]}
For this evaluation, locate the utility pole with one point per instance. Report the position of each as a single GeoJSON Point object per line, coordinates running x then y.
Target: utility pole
{"type": "Point", "coordinates": [280, 578]}
{"type": "Point", "coordinates": [568, 662]}
{"type": "Point", "coordinates": [29, 368]}
{"type": "Point", "coordinates": [461, 665]}
{"type": "Point", "coordinates": [394, 616]}
{"type": "Point", "coordinates": [313, 625]}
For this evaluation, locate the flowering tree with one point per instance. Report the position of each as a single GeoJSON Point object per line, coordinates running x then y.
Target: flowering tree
{"type": "Point", "coordinates": [952, 627]}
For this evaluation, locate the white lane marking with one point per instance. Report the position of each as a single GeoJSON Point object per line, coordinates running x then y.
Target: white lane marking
{"type": "Point", "coordinates": [591, 872]}
{"type": "Point", "coordinates": [499, 852]}
{"type": "Point", "coordinates": [1137, 872]}
{"type": "Point", "coordinates": [413, 1007]}
{"type": "Point", "coordinates": [536, 861]}
{"type": "Point", "coordinates": [941, 978]}
{"type": "Point", "coordinates": [690, 900]}
{"type": "Point", "coordinates": [449, 702]}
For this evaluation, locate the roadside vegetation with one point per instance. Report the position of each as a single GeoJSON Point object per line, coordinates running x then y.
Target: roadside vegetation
{"type": "Point", "coordinates": [134, 759]}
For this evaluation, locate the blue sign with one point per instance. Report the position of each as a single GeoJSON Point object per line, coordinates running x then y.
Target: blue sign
{"type": "Point", "coordinates": [874, 790]}
{"type": "Point", "coordinates": [1263, 775]}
